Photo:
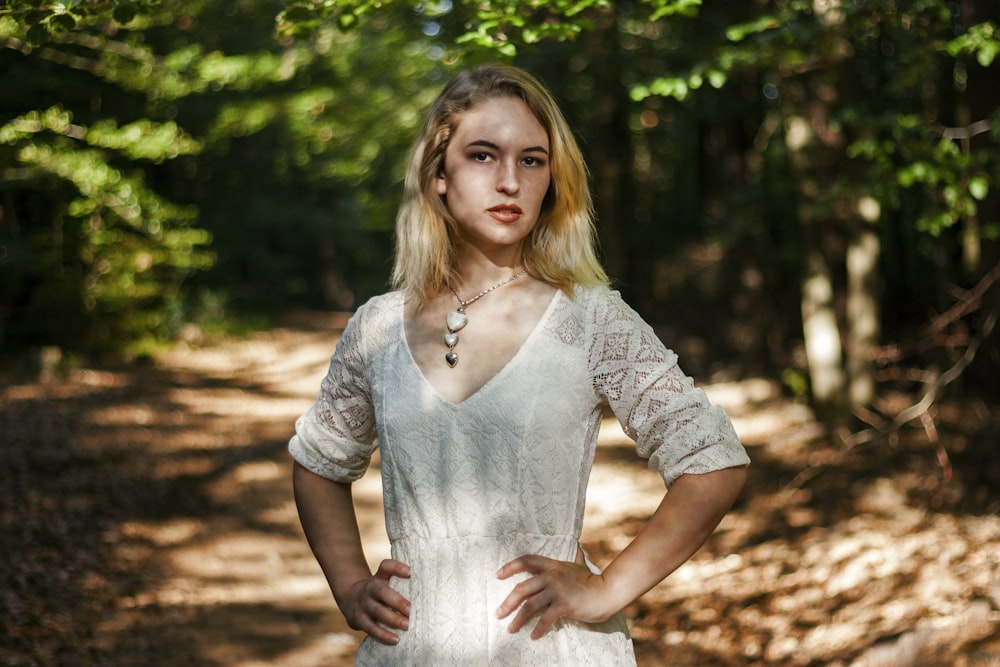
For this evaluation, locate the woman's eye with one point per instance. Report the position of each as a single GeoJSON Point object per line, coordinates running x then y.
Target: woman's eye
{"type": "Point", "coordinates": [480, 157]}
{"type": "Point", "coordinates": [533, 161]}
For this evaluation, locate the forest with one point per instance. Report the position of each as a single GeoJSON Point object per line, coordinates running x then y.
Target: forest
{"type": "Point", "coordinates": [802, 196]}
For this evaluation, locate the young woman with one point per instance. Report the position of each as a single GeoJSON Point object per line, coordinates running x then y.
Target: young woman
{"type": "Point", "coordinates": [482, 378]}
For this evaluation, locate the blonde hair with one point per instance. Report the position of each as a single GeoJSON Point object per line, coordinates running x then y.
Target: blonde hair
{"type": "Point", "coordinates": [560, 248]}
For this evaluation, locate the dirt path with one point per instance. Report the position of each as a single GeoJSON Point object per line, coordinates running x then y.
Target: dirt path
{"type": "Point", "coordinates": [149, 521]}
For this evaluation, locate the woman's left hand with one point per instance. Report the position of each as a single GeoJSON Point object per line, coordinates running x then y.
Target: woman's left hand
{"type": "Point", "coordinates": [556, 590]}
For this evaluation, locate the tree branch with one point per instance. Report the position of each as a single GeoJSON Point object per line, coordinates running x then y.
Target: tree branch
{"type": "Point", "coordinates": [935, 382]}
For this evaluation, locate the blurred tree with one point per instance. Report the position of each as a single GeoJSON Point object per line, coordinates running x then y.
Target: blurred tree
{"type": "Point", "coordinates": [148, 141]}
{"type": "Point", "coordinates": [861, 113]}
{"type": "Point", "coordinates": [797, 164]}
{"type": "Point", "coordinates": [90, 252]}
{"type": "Point", "coordinates": [864, 91]}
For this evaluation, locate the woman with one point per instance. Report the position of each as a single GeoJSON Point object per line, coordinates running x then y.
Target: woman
{"type": "Point", "coordinates": [482, 378]}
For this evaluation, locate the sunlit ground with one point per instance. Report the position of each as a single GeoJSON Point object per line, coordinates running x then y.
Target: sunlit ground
{"type": "Point", "coordinates": [153, 524]}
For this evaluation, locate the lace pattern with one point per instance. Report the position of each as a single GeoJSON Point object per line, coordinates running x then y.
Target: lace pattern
{"type": "Point", "coordinates": [472, 485]}
{"type": "Point", "coordinates": [659, 407]}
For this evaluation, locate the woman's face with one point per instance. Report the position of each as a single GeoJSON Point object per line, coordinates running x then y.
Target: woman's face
{"type": "Point", "coordinates": [496, 173]}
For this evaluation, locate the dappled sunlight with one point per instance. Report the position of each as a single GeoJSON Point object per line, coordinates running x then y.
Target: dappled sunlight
{"type": "Point", "coordinates": [841, 587]}
{"type": "Point", "coordinates": [812, 566]}
{"type": "Point", "coordinates": [830, 556]}
{"type": "Point", "coordinates": [737, 397]}
{"type": "Point", "coordinates": [294, 358]}
{"type": "Point", "coordinates": [239, 567]}
{"type": "Point", "coordinates": [758, 410]}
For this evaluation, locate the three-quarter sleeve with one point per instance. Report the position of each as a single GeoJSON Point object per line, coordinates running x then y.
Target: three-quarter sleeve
{"type": "Point", "coordinates": [672, 422]}
{"type": "Point", "coordinates": [336, 437]}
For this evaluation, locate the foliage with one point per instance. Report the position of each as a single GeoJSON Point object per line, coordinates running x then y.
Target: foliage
{"type": "Point", "coordinates": [799, 119]}
{"type": "Point", "coordinates": [100, 245]}
{"type": "Point", "coordinates": [155, 150]}
{"type": "Point", "coordinates": [272, 147]}
{"type": "Point", "coordinates": [496, 28]}
{"type": "Point", "coordinates": [884, 58]}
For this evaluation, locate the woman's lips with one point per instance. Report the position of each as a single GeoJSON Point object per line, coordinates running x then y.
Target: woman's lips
{"type": "Point", "coordinates": [505, 212]}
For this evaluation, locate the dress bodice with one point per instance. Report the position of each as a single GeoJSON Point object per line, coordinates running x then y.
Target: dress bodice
{"type": "Point", "coordinates": [469, 486]}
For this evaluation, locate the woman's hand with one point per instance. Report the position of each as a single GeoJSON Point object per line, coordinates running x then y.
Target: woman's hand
{"type": "Point", "coordinates": [558, 589]}
{"type": "Point", "coordinates": [372, 603]}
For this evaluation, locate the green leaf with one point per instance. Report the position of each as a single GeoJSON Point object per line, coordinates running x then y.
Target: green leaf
{"type": "Point", "coordinates": [987, 52]}
{"type": "Point", "coordinates": [739, 32]}
{"type": "Point", "coordinates": [717, 78]}
{"type": "Point", "coordinates": [347, 20]}
{"type": "Point", "coordinates": [979, 187]}
{"type": "Point", "coordinates": [981, 40]}
{"type": "Point", "coordinates": [686, 8]}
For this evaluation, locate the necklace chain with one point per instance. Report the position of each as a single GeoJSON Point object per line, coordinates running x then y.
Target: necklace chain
{"type": "Point", "coordinates": [457, 319]}
{"type": "Point", "coordinates": [465, 304]}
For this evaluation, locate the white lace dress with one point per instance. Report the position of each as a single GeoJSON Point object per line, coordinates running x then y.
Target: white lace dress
{"type": "Point", "coordinates": [471, 486]}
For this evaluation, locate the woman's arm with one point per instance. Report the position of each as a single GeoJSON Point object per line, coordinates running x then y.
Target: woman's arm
{"type": "Point", "coordinates": [326, 510]}
{"type": "Point", "coordinates": [685, 518]}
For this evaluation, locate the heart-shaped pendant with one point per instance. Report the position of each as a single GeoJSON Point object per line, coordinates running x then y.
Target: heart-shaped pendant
{"type": "Point", "coordinates": [451, 339]}
{"type": "Point", "coordinates": [456, 321]}
{"type": "Point", "coordinates": [451, 358]}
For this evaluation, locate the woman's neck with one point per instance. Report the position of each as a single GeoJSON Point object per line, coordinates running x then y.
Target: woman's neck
{"type": "Point", "coordinates": [480, 270]}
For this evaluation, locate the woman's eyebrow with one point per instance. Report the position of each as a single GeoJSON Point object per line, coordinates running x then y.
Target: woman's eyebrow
{"type": "Point", "coordinates": [483, 143]}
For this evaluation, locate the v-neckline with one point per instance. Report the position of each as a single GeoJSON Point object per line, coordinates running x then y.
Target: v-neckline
{"type": "Point", "coordinates": [500, 371]}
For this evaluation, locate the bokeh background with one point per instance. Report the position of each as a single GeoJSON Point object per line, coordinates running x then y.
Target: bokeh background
{"type": "Point", "coordinates": [802, 196]}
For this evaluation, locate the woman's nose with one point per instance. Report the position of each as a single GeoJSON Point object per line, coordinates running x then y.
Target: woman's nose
{"type": "Point", "coordinates": [507, 178]}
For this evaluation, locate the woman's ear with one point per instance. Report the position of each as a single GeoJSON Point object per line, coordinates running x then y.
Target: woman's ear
{"type": "Point", "coordinates": [441, 184]}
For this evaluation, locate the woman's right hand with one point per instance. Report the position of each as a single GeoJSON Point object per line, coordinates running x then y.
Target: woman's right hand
{"type": "Point", "coordinates": [374, 607]}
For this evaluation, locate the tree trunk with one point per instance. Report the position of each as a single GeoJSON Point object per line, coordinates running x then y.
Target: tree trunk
{"type": "Point", "coordinates": [822, 338]}
{"type": "Point", "coordinates": [863, 313]}
{"type": "Point", "coordinates": [821, 334]}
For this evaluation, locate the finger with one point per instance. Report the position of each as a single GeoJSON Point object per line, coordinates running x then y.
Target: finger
{"type": "Point", "coordinates": [378, 620]}
{"type": "Point", "coordinates": [389, 616]}
{"type": "Point", "coordinates": [389, 597]}
{"type": "Point", "coordinates": [545, 622]}
{"type": "Point", "coordinates": [379, 633]}
{"type": "Point", "coordinates": [531, 608]}
{"type": "Point", "coordinates": [532, 563]}
{"type": "Point", "coordinates": [382, 591]}
{"type": "Point", "coordinates": [392, 568]}
{"type": "Point", "coordinates": [520, 594]}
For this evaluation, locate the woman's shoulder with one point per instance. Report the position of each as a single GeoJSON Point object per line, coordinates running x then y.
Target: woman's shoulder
{"type": "Point", "coordinates": [597, 300]}
{"type": "Point", "coordinates": [381, 312]}
{"type": "Point", "coordinates": [381, 306]}
{"type": "Point", "coordinates": [604, 312]}
{"type": "Point", "coordinates": [587, 310]}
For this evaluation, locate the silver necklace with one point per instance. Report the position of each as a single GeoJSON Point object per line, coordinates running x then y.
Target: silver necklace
{"type": "Point", "coordinates": [457, 319]}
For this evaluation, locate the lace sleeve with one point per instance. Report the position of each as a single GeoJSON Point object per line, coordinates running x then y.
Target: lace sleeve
{"type": "Point", "coordinates": [672, 422]}
{"type": "Point", "coordinates": [335, 438]}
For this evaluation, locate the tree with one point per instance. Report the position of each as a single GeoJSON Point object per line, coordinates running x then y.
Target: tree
{"type": "Point", "coordinates": [92, 251]}
{"type": "Point", "coordinates": [161, 159]}
{"type": "Point", "coordinates": [865, 105]}
{"type": "Point", "coordinates": [864, 90]}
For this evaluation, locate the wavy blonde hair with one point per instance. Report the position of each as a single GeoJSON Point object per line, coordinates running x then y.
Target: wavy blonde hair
{"type": "Point", "coordinates": [560, 250]}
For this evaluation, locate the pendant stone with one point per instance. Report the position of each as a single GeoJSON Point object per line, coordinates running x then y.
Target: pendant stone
{"type": "Point", "coordinates": [457, 321]}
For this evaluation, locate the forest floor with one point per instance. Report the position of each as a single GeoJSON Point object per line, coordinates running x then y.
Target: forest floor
{"type": "Point", "coordinates": [146, 518]}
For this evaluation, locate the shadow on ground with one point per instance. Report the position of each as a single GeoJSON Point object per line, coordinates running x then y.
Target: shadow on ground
{"type": "Point", "coordinates": [146, 518]}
